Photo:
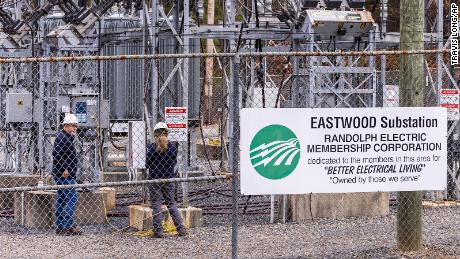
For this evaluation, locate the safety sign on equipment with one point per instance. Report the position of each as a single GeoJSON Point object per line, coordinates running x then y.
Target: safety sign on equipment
{"type": "Point", "coordinates": [176, 119]}
{"type": "Point", "coordinates": [81, 112]}
{"type": "Point", "coordinates": [449, 99]}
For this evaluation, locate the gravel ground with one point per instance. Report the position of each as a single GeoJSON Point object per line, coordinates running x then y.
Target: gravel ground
{"type": "Point", "coordinates": [347, 238]}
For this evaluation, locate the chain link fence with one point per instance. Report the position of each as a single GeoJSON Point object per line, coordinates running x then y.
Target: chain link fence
{"type": "Point", "coordinates": [119, 160]}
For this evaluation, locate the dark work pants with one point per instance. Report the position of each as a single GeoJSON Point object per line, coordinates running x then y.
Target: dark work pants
{"type": "Point", "coordinates": [66, 202]}
{"type": "Point", "coordinates": [165, 191]}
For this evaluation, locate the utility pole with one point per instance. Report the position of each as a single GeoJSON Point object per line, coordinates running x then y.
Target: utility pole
{"type": "Point", "coordinates": [209, 65]}
{"type": "Point", "coordinates": [412, 83]}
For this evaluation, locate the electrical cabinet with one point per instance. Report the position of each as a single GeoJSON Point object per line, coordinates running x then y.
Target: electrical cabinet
{"type": "Point", "coordinates": [18, 107]}
{"type": "Point", "coordinates": [85, 105]}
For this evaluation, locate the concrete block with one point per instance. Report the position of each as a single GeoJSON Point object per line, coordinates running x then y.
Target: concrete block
{"type": "Point", "coordinates": [338, 205]}
{"type": "Point", "coordinates": [300, 207]}
{"type": "Point", "coordinates": [192, 217]}
{"type": "Point", "coordinates": [6, 201]}
{"type": "Point", "coordinates": [8, 181]}
{"type": "Point", "coordinates": [35, 209]}
{"type": "Point", "coordinates": [90, 208]}
{"type": "Point", "coordinates": [115, 177]}
{"type": "Point", "coordinates": [366, 204]}
{"type": "Point", "coordinates": [140, 217]}
{"type": "Point", "coordinates": [110, 197]}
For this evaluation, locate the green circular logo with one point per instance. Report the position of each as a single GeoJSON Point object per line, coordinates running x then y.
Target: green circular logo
{"type": "Point", "coordinates": [275, 152]}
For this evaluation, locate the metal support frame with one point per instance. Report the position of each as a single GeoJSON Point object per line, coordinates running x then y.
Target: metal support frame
{"type": "Point", "coordinates": [333, 85]}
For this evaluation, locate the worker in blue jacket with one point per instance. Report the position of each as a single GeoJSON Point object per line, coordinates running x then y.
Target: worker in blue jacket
{"type": "Point", "coordinates": [64, 172]}
{"type": "Point", "coordinates": [160, 161]}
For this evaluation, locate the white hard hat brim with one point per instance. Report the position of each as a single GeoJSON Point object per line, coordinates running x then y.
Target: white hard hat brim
{"type": "Point", "coordinates": [70, 119]}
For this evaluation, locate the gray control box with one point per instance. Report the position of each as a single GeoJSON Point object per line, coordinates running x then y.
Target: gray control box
{"type": "Point", "coordinates": [18, 107]}
{"type": "Point", "coordinates": [85, 104]}
{"type": "Point", "coordinates": [86, 108]}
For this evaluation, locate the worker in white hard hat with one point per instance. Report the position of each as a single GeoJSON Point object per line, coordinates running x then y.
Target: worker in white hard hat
{"type": "Point", "coordinates": [160, 161]}
{"type": "Point", "coordinates": [64, 172]}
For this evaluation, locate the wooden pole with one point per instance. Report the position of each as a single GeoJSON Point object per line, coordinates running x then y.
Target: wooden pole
{"type": "Point", "coordinates": [209, 64]}
{"type": "Point", "coordinates": [412, 83]}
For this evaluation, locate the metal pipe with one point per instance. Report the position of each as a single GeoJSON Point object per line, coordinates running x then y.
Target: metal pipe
{"type": "Point", "coordinates": [22, 208]}
{"type": "Point", "coordinates": [115, 184]}
{"type": "Point", "coordinates": [185, 86]}
{"type": "Point", "coordinates": [234, 147]}
{"type": "Point", "coordinates": [272, 208]}
{"type": "Point", "coordinates": [285, 197]}
{"type": "Point", "coordinates": [226, 55]}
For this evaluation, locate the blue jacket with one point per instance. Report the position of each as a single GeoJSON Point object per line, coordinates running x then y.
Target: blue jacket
{"type": "Point", "coordinates": [64, 155]}
{"type": "Point", "coordinates": [161, 165]}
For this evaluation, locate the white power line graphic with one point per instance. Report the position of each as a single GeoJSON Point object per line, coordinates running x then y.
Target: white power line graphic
{"type": "Point", "coordinates": [276, 149]}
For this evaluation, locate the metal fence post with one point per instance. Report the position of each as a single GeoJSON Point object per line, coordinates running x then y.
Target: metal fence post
{"type": "Point", "coordinates": [234, 149]}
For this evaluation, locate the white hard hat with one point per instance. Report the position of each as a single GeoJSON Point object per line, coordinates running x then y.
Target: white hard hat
{"type": "Point", "coordinates": [70, 119]}
{"type": "Point", "coordinates": [160, 125]}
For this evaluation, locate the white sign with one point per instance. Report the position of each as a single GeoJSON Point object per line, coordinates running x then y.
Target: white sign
{"type": "Point", "coordinates": [449, 99]}
{"type": "Point", "coordinates": [176, 118]}
{"type": "Point", "coordinates": [390, 96]}
{"type": "Point", "coordinates": [297, 151]}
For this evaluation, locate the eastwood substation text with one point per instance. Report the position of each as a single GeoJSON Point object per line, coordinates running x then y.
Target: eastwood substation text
{"type": "Point", "coordinates": [340, 142]}
{"type": "Point", "coordinates": [371, 122]}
